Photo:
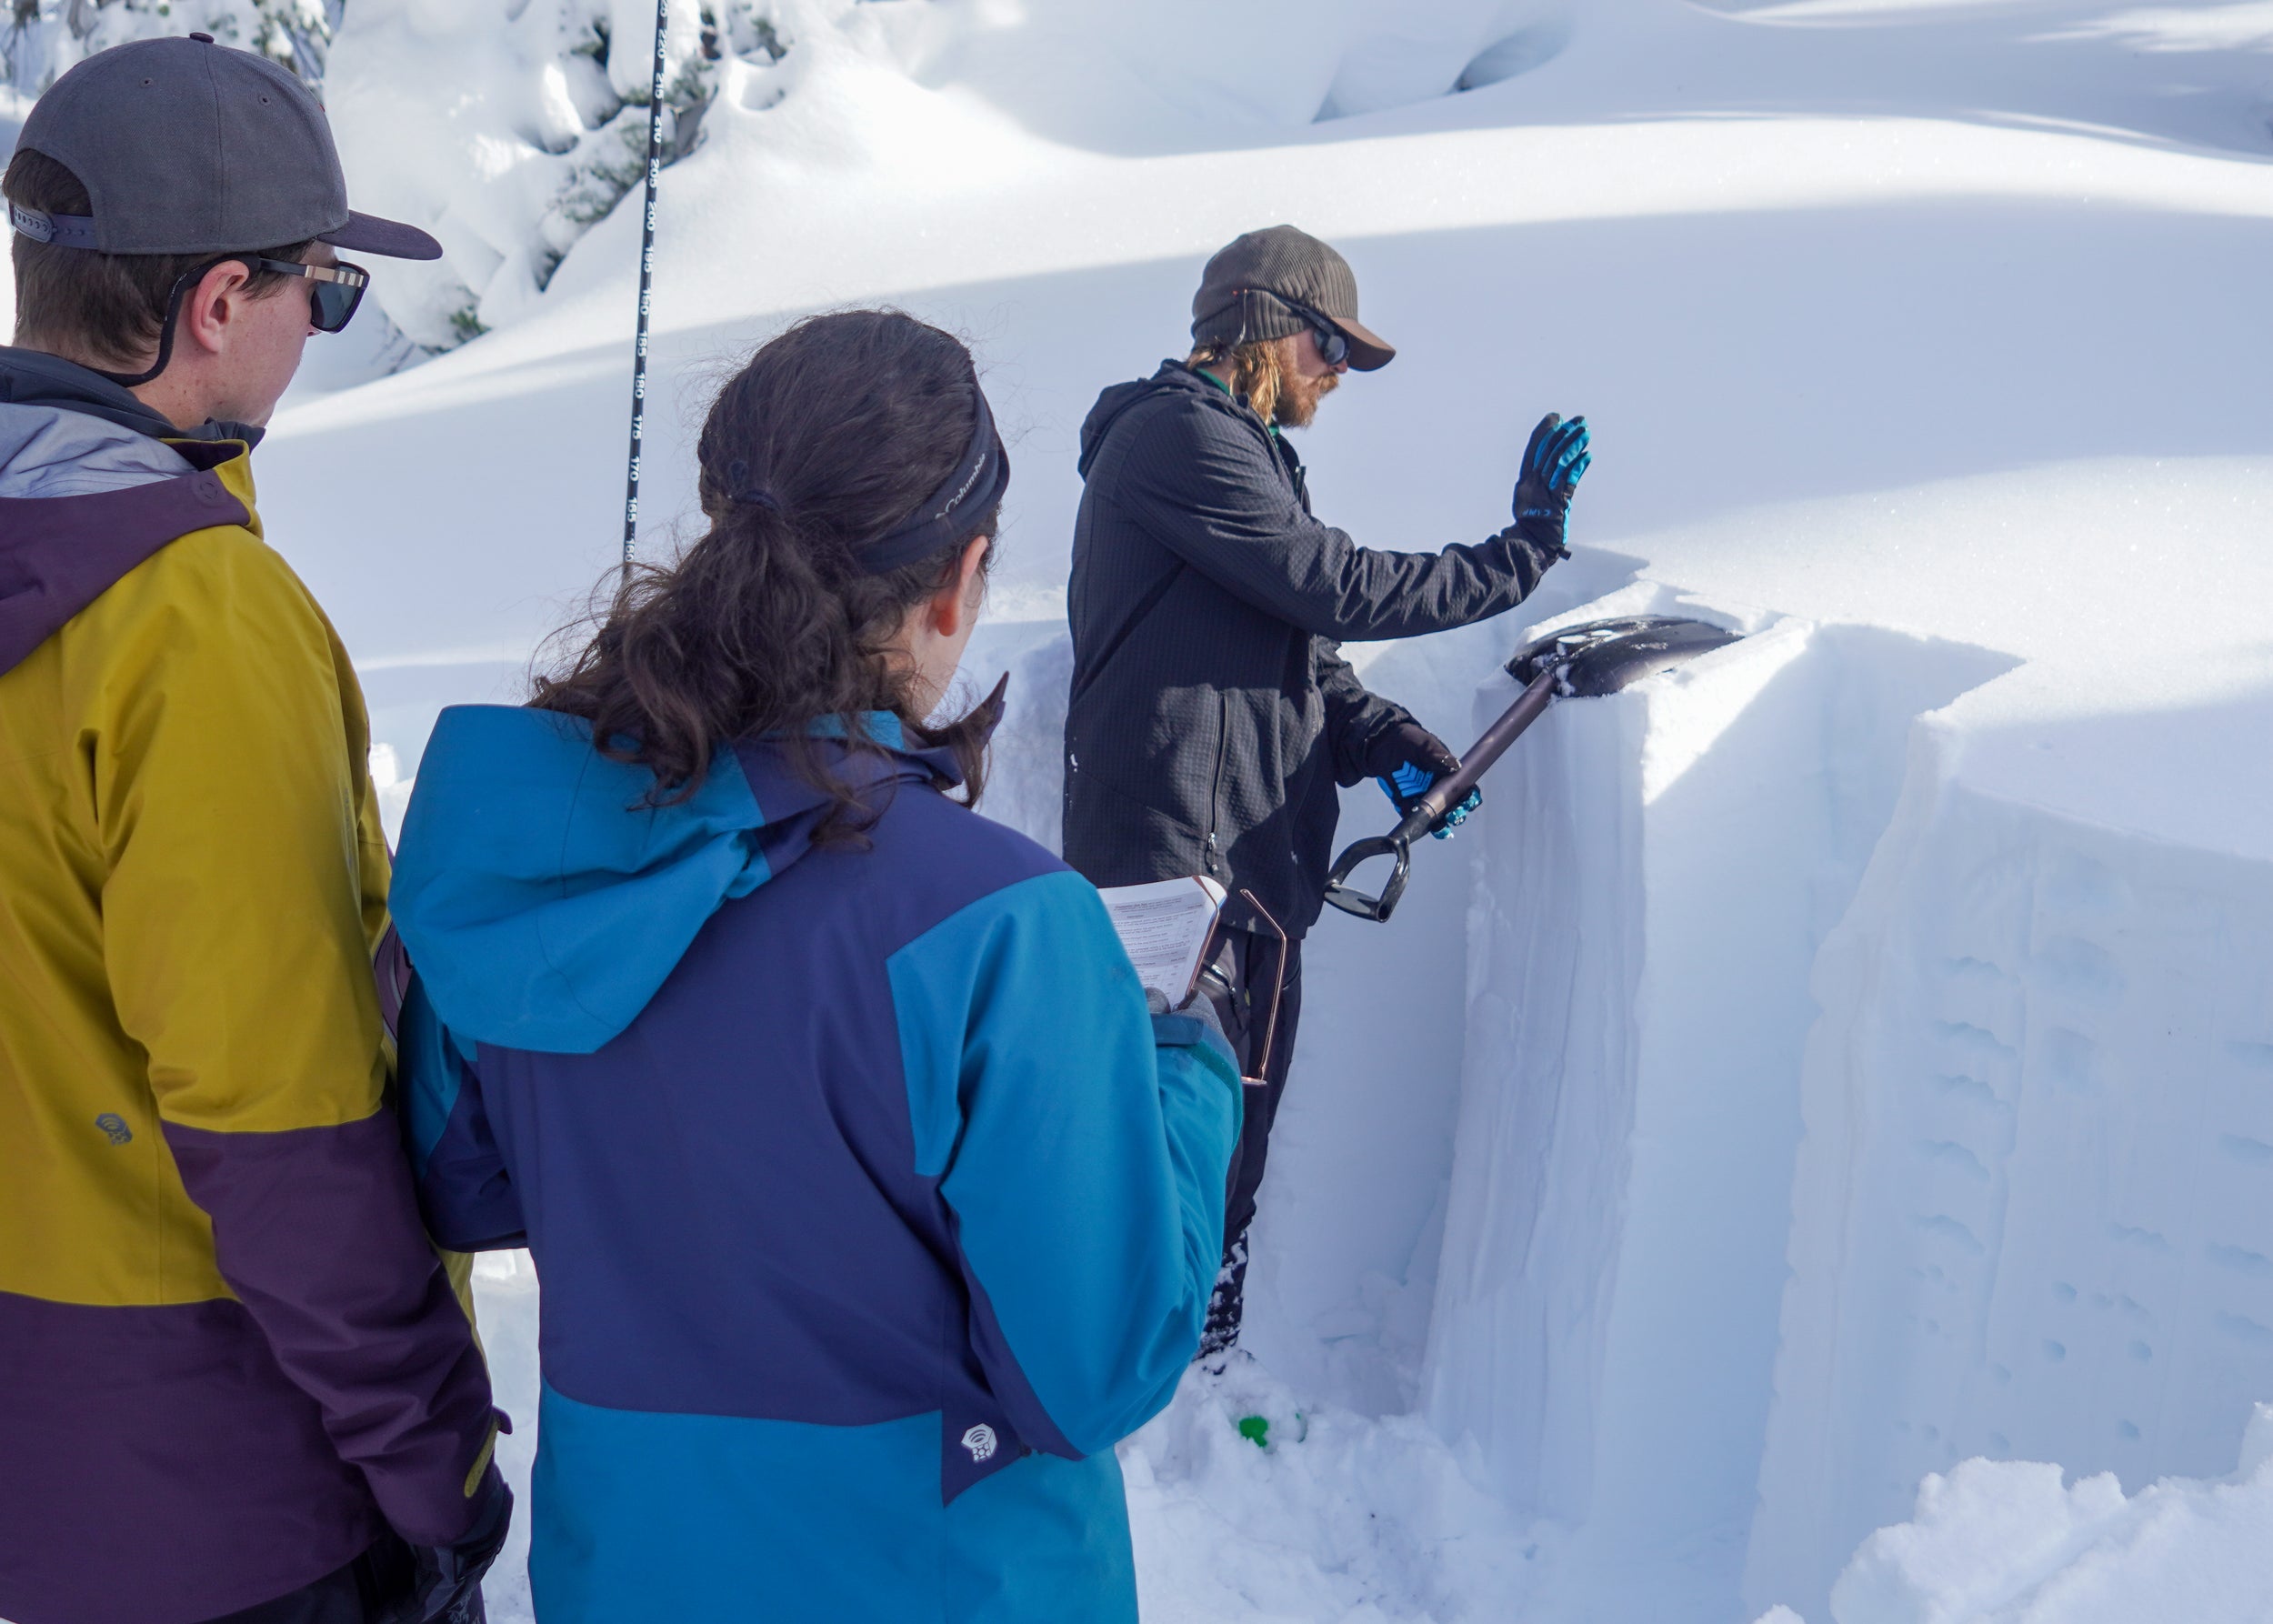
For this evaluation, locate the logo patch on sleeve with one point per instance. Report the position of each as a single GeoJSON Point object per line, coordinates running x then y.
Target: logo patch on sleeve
{"type": "Point", "coordinates": [980, 1441]}
{"type": "Point", "coordinates": [115, 1129]}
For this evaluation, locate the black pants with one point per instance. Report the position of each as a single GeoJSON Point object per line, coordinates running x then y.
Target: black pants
{"type": "Point", "coordinates": [371, 1590]}
{"type": "Point", "coordinates": [1249, 957]}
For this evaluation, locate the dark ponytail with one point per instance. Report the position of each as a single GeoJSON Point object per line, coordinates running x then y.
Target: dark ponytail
{"type": "Point", "coordinates": [834, 435]}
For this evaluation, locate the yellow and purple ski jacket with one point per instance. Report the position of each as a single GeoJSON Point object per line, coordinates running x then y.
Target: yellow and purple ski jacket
{"type": "Point", "coordinates": [227, 1351]}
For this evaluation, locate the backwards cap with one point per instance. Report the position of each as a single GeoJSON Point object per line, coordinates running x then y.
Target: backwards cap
{"type": "Point", "coordinates": [186, 147]}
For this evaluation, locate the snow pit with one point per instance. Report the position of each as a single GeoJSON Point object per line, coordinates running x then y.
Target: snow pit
{"type": "Point", "coordinates": [1656, 875]}
{"type": "Point", "coordinates": [2029, 1218]}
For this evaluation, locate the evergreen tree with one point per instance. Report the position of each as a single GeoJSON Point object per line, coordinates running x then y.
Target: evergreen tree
{"type": "Point", "coordinates": [45, 37]}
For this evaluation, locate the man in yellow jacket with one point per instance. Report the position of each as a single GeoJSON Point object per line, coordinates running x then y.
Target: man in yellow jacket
{"type": "Point", "coordinates": [235, 1382]}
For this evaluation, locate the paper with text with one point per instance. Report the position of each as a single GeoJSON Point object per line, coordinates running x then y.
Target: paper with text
{"type": "Point", "coordinates": [1165, 926]}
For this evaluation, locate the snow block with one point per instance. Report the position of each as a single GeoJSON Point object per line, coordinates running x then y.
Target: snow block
{"type": "Point", "coordinates": [2029, 1215]}
{"type": "Point", "coordinates": [2008, 1542]}
{"type": "Point", "coordinates": [1657, 872]}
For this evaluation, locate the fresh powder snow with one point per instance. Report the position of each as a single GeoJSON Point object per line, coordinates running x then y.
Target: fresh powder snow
{"type": "Point", "coordinates": [1805, 1151]}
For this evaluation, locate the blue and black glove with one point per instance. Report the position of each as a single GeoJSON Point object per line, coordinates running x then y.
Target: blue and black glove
{"type": "Point", "coordinates": [445, 1585]}
{"type": "Point", "coordinates": [1405, 760]}
{"type": "Point", "coordinates": [1554, 463]}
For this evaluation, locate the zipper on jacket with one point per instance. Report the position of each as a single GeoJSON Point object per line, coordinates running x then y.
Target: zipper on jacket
{"type": "Point", "coordinates": [1215, 786]}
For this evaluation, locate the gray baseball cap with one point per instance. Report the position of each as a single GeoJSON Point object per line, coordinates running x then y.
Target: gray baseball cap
{"type": "Point", "coordinates": [186, 147]}
{"type": "Point", "coordinates": [1250, 288]}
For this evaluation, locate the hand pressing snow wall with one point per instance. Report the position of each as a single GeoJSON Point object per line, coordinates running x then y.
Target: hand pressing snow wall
{"type": "Point", "coordinates": [1657, 872]}
{"type": "Point", "coordinates": [2034, 1211]}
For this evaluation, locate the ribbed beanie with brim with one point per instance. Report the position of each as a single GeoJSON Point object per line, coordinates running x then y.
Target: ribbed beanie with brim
{"type": "Point", "coordinates": [1243, 294]}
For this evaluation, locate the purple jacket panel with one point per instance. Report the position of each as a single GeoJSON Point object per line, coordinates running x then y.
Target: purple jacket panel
{"type": "Point", "coordinates": [58, 555]}
{"type": "Point", "coordinates": [316, 1230]}
{"type": "Point", "coordinates": [166, 1445]}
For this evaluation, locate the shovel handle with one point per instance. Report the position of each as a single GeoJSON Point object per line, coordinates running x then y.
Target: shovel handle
{"type": "Point", "coordinates": [1348, 899]}
{"type": "Point", "coordinates": [1440, 797]}
{"type": "Point", "coordinates": [1450, 791]}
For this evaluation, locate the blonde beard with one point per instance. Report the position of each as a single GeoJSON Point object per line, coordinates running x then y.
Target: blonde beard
{"type": "Point", "coordinates": [1298, 398]}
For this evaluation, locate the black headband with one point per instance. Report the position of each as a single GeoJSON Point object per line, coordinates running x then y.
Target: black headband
{"type": "Point", "coordinates": [952, 513]}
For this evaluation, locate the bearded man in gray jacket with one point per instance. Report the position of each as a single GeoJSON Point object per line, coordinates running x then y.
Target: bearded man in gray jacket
{"type": "Point", "coordinates": [1211, 716]}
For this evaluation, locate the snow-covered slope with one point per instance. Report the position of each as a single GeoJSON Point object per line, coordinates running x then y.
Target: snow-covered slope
{"type": "Point", "coordinates": [1729, 1130]}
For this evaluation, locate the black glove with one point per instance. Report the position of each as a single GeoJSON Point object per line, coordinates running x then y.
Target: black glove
{"type": "Point", "coordinates": [446, 1580]}
{"type": "Point", "coordinates": [1407, 758]}
{"type": "Point", "coordinates": [1552, 463]}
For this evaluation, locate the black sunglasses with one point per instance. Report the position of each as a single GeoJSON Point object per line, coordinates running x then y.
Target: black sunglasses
{"type": "Point", "coordinates": [333, 290]}
{"type": "Point", "coordinates": [1333, 343]}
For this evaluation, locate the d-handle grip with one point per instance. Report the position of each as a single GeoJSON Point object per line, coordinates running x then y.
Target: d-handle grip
{"type": "Point", "coordinates": [1397, 844]}
{"type": "Point", "coordinates": [1351, 900]}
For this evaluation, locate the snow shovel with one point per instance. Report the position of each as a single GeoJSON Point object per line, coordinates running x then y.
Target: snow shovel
{"type": "Point", "coordinates": [1579, 662]}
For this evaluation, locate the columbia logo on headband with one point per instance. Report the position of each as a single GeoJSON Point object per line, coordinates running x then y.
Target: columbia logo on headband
{"type": "Point", "coordinates": [983, 469]}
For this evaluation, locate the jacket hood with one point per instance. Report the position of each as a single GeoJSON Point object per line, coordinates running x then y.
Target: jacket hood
{"type": "Point", "coordinates": [83, 500]}
{"type": "Point", "coordinates": [544, 904]}
{"type": "Point", "coordinates": [1174, 378]}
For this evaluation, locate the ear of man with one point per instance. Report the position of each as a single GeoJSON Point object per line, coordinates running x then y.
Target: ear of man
{"type": "Point", "coordinates": [100, 310]}
{"type": "Point", "coordinates": [213, 312]}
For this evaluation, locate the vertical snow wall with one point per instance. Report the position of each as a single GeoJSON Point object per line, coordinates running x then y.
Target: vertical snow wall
{"type": "Point", "coordinates": [2031, 1216]}
{"type": "Point", "coordinates": [1656, 876]}
{"type": "Point", "coordinates": [1813, 1116]}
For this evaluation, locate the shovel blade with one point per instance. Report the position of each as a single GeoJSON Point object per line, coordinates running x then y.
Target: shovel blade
{"type": "Point", "coordinates": [1605, 656]}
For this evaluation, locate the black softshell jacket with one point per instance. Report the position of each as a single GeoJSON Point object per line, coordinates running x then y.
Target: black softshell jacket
{"type": "Point", "coordinates": [1211, 716]}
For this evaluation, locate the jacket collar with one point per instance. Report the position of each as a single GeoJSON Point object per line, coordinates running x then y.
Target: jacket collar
{"type": "Point", "coordinates": [1174, 377]}
{"type": "Point", "coordinates": [1207, 386]}
{"type": "Point", "coordinates": [33, 377]}
{"type": "Point", "coordinates": [59, 554]}
{"type": "Point", "coordinates": [1206, 376]}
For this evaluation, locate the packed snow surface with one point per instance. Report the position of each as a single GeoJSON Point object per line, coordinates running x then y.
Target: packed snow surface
{"type": "Point", "coordinates": [1844, 1063]}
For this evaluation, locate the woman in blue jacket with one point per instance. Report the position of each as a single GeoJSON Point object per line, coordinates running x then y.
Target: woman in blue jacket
{"type": "Point", "coordinates": [871, 1205]}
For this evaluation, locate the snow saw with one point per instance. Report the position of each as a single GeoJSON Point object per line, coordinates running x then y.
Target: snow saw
{"type": "Point", "coordinates": [1579, 662]}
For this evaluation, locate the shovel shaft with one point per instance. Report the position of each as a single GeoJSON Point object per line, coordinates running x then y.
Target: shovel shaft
{"type": "Point", "coordinates": [1603, 657]}
{"type": "Point", "coordinates": [1440, 797]}
{"type": "Point", "coordinates": [1448, 792]}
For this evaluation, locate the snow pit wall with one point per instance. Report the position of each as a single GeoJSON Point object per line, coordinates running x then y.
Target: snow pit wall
{"type": "Point", "coordinates": [1657, 872]}
{"type": "Point", "coordinates": [2029, 1215]}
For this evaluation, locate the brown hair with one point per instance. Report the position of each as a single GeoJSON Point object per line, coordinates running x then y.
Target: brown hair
{"type": "Point", "coordinates": [840, 428]}
{"type": "Point", "coordinates": [1258, 376]}
{"type": "Point", "coordinates": [107, 308]}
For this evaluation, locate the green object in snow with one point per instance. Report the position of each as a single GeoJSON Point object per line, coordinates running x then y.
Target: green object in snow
{"type": "Point", "coordinates": [1256, 1431]}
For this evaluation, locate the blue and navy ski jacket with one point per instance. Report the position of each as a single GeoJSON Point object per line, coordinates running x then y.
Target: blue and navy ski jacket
{"type": "Point", "coordinates": [871, 1206]}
